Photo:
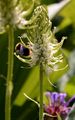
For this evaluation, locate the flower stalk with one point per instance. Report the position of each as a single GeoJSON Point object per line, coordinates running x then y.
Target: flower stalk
{"type": "Point", "coordinates": [9, 85]}
{"type": "Point", "coordinates": [42, 48]}
{"type": "Point", "coordinates": [41, 93]}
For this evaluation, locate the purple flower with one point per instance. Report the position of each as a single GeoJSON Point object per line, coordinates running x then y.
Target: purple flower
{"type": "Point", "coordinates": [56, 104]}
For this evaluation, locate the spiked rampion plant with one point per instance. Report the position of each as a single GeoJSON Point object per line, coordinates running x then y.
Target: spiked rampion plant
{"type": "Point", "coordinates": [42, 47]}
{"type": "Point", "coordinates": [12, 13]}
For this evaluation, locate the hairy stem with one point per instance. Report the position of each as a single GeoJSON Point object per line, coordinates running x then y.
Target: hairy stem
{"type": "Point", "coordinates": [9, 84]}
{"type": "Point", "coordinates": [41, 93]}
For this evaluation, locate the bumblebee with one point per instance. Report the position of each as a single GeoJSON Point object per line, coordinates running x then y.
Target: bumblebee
{"type": "Point", "coordinates": [22, 50]}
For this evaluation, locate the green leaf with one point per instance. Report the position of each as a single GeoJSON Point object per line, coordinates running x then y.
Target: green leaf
{"type": "Point", "coordinates": [71, 115]}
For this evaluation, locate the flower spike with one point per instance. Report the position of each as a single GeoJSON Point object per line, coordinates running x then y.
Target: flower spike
{"type": "Point", "coordinates": [42, 44]}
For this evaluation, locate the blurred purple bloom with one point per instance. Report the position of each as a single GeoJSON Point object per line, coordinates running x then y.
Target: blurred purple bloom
{"type": "Point", "coordinates": [56, 104]}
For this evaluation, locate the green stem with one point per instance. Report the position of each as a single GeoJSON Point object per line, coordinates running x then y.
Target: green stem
{"type": "Point", "coordinates": [41, 93]}
{"type": "Point", "coordinates": [9, 85]}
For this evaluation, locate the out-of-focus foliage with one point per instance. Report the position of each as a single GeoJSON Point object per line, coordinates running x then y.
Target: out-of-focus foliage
{"type": "Point", "coordinates": [71, 115]}
{"type": "Point", "coordinates": [27, 80]}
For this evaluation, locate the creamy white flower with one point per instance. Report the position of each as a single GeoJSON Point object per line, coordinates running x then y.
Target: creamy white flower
{"type": "Point", "coordinates": [13, 12]}
{"type": "Point", "coordinates": [42, 43]}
